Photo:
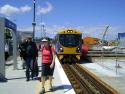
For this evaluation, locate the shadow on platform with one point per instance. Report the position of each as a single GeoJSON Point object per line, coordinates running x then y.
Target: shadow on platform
{"type": "Point", "coordinates": [61, 87]}
{"type": "Point", "coordinates": [16, 78]}
{"type": "Point", "coordinates": [86, 60]}
{"type": "Point", "coordinates": [3, 80]}
{"type": "Point", "coordinates": [6, 79]}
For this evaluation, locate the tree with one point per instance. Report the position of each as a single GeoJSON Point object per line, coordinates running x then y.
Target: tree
{"type": "Point", "coordinates": [8, 34]}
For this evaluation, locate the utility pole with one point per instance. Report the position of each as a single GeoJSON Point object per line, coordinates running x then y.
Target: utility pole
{"type": "Point", "coordinates": [34, 16]}
{"type": "Point", "coordinates": [43, 33]}
{"type": "Point", "coordinates": [103, 38]}
{"type": "Point", "coordinates": [43, 30]}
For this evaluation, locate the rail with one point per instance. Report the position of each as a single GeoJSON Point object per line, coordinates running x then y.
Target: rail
{"type": "Point", "coordinates": [84, 82]}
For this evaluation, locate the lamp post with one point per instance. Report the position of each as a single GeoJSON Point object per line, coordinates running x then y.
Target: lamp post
{"type": "Point", "coordinates": [43, 30]}
{"type": "Point", "coordinates": [34, 16]}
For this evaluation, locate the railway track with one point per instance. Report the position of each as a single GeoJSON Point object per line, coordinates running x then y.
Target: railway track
{"type": "Point", "coordinates": [85, 82]}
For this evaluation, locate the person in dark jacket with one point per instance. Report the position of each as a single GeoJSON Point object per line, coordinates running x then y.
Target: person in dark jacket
{"type": "Point", "coordinates": [22, 51]}
{"type": "Point", "coordinates": [32, 54]}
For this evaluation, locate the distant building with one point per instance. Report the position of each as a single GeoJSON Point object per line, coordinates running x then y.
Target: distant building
{"type": "Point", "coordinates": [24, 34]}
{"type": "Point", "coordinates": [121, 38]}
{"type": "Point", "coordinates": [90, 41]}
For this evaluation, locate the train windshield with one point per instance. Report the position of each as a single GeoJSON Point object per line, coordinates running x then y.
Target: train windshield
{"type": "Point", "coordinates": [70, 40]}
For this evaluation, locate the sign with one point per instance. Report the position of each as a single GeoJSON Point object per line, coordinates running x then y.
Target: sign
{"type": "Point", "coordinates": [121, 37]}
{"type": "Point", "coordinates": [10, 24]}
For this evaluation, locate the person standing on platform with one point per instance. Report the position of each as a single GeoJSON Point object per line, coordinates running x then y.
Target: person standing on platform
{"type": "Point", "coordinates": [32, 54]}
{"type": "Point", "coordinates": [48, 63]}
{"type": "Point", "coordinates": [6, 51]}
{"type": "Point", "coordinates": [22, 51]}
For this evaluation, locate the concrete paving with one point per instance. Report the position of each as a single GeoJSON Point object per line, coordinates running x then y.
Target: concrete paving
{"type": "Point", "coordinates": [16, 81]}
{"type": "Point", "coordinates": [108, 70]}
{"type": "Point", "coordinates": [17, 84]}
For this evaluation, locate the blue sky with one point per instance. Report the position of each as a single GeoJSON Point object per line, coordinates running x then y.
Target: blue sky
{"type": "Point", "coordinates": [90, 16]}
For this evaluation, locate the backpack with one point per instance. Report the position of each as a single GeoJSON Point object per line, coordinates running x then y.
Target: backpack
{"type": "Point", "coordinates": [30, 49]}
{"type": "Point", "coordinates": [22, 48]}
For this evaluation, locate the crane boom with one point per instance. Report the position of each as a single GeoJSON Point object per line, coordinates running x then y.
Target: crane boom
{"type": "Point", "coordinates": [105, 33]}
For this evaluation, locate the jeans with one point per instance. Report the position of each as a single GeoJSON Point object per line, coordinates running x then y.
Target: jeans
{"type": "Point", "coordinates": [29, 62]}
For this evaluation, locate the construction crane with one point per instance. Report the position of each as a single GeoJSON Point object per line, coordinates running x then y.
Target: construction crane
{"type": "Point", "coordinates": [107, 27]}
{"type": "Point", "coordinates": [106, 47]}
{"type": "Point", "coordinates": [103, 37]}
{"type": "Point", "coordinates": [102, 43]}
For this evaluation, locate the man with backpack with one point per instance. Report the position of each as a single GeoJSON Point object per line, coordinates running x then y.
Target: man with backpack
{"type": "Point", "coordinates": [31, 62]}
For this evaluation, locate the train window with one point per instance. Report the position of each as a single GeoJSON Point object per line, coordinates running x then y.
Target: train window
{"type": "Point", "coordinates": [70, 40]}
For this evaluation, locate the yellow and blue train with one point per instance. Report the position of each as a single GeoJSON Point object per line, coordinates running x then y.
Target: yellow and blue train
{"type": "Point", "coordinates": [69, 45]}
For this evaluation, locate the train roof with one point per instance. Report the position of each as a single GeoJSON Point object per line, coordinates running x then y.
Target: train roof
{"type": "Point", "coordinates": [69, 31]}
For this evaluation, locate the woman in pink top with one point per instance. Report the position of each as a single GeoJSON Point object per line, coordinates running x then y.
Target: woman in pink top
{"type": "Point", "coordinates": [48, 60]}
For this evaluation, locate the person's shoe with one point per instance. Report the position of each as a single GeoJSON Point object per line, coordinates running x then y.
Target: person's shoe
{"type": "Point", "coordinates": [42, 91]}
{"type": "Point", "coordinates": [24, 68]}
{"type": "Point", "coordinates": [36, 78]}
{"type": "Point", "coordinates": [50, 88]}
{"type": "Point", "coordinates": [32, 78]}
{"type": "Point", "coordinates": [27, 79]}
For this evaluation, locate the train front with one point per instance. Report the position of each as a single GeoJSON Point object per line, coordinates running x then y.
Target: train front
{"type": "Point", "coordinates": [69, 45]}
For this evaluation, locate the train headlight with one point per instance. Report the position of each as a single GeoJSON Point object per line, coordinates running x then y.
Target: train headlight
{"type": "Point", "coordinates": [78, 50]}
{"type": "Point", "coordinates": [61, 49]}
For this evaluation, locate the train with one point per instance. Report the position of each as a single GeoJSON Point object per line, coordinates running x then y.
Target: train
{"type": "Point", "coordinates": [69, 45]}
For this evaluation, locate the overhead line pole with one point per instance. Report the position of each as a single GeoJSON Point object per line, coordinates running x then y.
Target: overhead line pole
{"type": "Point", "coordinates": [103, 38]}
{"type": "Point", "coordinates": [34, 16]}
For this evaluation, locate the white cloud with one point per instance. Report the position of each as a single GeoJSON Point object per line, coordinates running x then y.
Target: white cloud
{"type": "Point", "coordinates": [9, 10]}
{"type": "Point", "coordinates": [25, 8]}
{"type": "Point", "coordinates": [44, 10]}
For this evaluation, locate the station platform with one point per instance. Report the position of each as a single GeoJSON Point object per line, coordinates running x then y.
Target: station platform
{"type": "Point", "coordinates": [17, 84]}
{"type": "Point", "coordinates": [109, 70]}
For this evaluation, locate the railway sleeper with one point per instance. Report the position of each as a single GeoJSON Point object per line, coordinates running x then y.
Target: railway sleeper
{"type": "Point", "coordinates": [84, 85]}
{"type": "Point", "coordinates": [100, 85]}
